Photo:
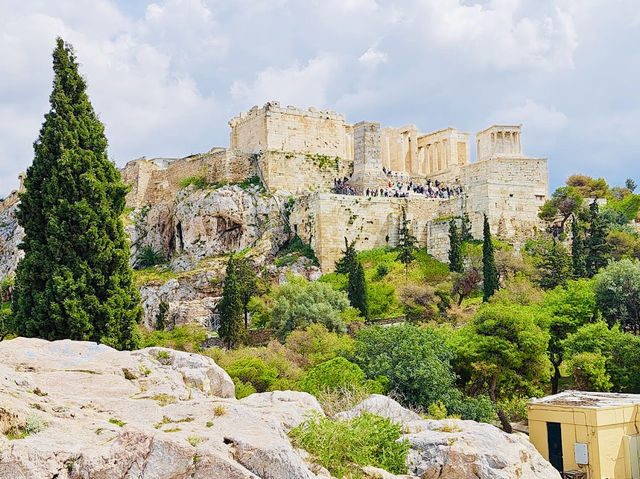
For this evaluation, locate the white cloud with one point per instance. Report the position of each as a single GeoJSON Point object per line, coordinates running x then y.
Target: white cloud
{"type": "Point", "coordinates": [532, 115]}
{"type": "Point", "coordinates": [372, 58]}
{"type": "Point", "coordinates": [304, 85]}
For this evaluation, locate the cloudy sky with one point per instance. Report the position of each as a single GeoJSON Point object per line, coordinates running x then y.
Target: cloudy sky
{"type": "Point", "coordinates": [165, 77]}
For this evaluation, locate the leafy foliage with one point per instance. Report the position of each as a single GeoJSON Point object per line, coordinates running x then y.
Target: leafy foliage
{"type": "Point", "coordinates": [565, 201]}
{"type": "Point", "coordinates": [455, 248]}
{"type": "Point", "coordinates": [579, 265]}
{"type": "Point", "coordinates": [199, 182]}
{"type": "Point", "coordinates": [596, 242]}
{"type": "Point", "coordinates": [357, 290]}
{"type": "Point", "coordinates": [406, 244]}
{"type": "Point", "coordinates": [490, 273]}
{"type": "Point", "coordinates": [74, 280]}
{"type": "Point", "coordinates": [148, 257]}
{"type": "Point", "coordinates": [617, 291]}
{"type": "Point", "coordinates": [339, 374]}
{"type": "Point", "coordinates": [299, 303]}
{"type": "Point", "coordinates": [230, 330]}
{"type": "Point", "coordinates": [415, 359]}
{"type": "Point", "coordinates": [342, 446]}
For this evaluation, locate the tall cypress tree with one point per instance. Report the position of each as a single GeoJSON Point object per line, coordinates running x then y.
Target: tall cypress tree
{"type": "Point", "coordinates": [231, 329]}
{"type": "Point", "coordinates": [577, 250]}
{"type": "Point", "coordinates": [248, 285]}
{"type": "Point", "coordinates": [596, 242]}
{"type": "Point", "coordinates": [74, 280]}
{"type": "Point", "coordinates": [357, 290]}
{"type": "Point", "coordinates": [490, 272]}
{"type": "Point", "coordinates": [455, 248]}
{"type": "Point", "coordinates": [347, 263]}
{"type": "Point", "coordinates": [406, 244]}
{"type": "Point", "coordinates": [466, 228]}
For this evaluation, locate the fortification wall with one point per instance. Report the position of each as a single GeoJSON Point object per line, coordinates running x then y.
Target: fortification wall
{"type": "Point", "coordinates": [325, 219]}
{"type": "Point", "coordinates": [510, 191]}
{"type": "Point", "coordinates": [290, 129]}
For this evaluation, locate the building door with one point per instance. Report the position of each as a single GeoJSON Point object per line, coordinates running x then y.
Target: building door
{"type": "Point", "coordinates": [554, 439]}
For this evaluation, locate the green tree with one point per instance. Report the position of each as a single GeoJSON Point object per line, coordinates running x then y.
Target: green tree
{"type": "Point", "coordinates": [299, 303]}
{"type": "Point", "coordinates": [506, 352]}
{"type": "Point", "coordinates": [347, 263]}
{"type": "Point", "coordinates": [564, 202]}
{"type": "Point", "coordinates": [230, 308]}
{"type": "Point", "coordinates": [357, 290]}
{"type": "Point", "coordinates": [617, 291]}
{"type": "Point", "coordinates": [466, 229]}
{"type": "Point", "coordinates": [415, 359]}
{"type": "Point", "coordinates": [630, 185]}
{"type": "Point", "coordinates": [406, 244]}
{"type": "Point", "coordinates": [490, 272]}
{"type": "Point", "coordinates": [596, 242]}
{"type": "Point", "coordinates": [553, 265]}
{"type": "Point", "coordinates": [567, 308]}
{"type": "Point", "coordinates": [247, 284]}
{"type": "Point", "coordinates": [74, 280]}
{"type": "Point", "coordinates": [455, 248]}
{"type": "Point", "coordinates": [579, 268]}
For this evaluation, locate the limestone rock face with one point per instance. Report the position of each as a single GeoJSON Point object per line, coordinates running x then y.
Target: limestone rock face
{"type": "Point", "coordinates": [456, 449]}
{"type": "Point", "coordinates": [11, 235]}
{"type": "Point", "coordinates": [97, 413]}
{"type": "Point", "coordinates": [214, 222]}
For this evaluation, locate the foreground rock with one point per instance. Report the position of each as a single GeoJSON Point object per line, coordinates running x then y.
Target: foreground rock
{"type": "Point", "coordinates": [94, 412]}
{"type": "Point", "coordinates": [456, 449]}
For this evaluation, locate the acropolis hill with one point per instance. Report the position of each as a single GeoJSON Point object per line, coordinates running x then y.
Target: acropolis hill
{"type": "Point", "coordinates": [298, 154]}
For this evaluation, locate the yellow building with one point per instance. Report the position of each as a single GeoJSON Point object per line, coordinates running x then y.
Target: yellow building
{"type": "Point", "coordinates": [595, 433]}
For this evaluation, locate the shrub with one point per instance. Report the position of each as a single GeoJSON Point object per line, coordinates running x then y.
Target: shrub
{"type": "Point", "coordinates": [244, 389]}
{"type": "Point", "coordinates": [253, 371]}
{"type": "Point", "coordinates": [342, 446]}
{"type": "Point", "coordinates": [339, 374]}
{"type": "Point", "coordinates": [183, 338]}
{"type": "Point", "coordinates": [478, 408]}
{"type": "Point", "coordinates": [316, 344]}
{"type": "Point", "coordinates": [199, 182]}
{"type": "Point", "coordinates": [148, 257]}
{"type": "Point", "coordinates": [299, 303]}
{"type": "Point", "coordinates": [382, 270]}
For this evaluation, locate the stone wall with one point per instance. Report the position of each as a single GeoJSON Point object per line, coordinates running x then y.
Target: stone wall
{"type": "Point", "coordinates": [325, 219]}
{"type": "Point", "coordinates": [274, 128]}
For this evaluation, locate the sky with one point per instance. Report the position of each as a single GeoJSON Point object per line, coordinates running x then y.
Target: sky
{"type": "Point", "coordinates": [165, 77]}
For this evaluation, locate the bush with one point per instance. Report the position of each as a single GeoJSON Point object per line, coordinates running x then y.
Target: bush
{"type": "Point", "coordinates": [382, 270]}
{"type": "Point", "coordinates": [299, 303]}
{"type": "Point", "coordinates": [183, 338]}
{"type": "Point", "coordinates": [339, 374]}
{"type": "Point", "coordinates": [342, 446]}
{"type": "Point", "coordinates": [148, 257]}
{"type": "Point", "coordinates": [316, 344]}
{"type": "Point", "coordinates": [199, 182]}
{"type": "Point", "coordinates": [589, 372]}
{"type": "Point", "coordinates": [295, 249]}
{"type": "Point", "coordinates": [253, 371]}
{"type": "Point", "coordinates": [478, 408]}
{"type": "Point", "coordinates": [244, 389]}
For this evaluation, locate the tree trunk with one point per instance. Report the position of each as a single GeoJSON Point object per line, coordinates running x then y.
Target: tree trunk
{"type": "Point", "coordinates": [555, 379]}
{"type": "Point", "coordinates": [246, 318]}
{"type": "Point", "coordinates": [504, 421]}
{"type": "Point", "coordinates": [460, 298]}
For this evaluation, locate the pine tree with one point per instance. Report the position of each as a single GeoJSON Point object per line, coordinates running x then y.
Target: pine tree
{"type": "Point", "coordinates": [490, 272]}
{"type": "Point", "coordinates": [455, 248]}
{"type": "Point", "coordinates": [596, 242]}
{"type": "Point", "coordinates": [230, 329]}
{"type": "Point", "coordinates": [357, 290]}
{"type": "Point", "coordinates": [347, 263]}
{"type": "Point", "coordinates": [406, 244]}
{"type": "Point", "coordinates": [577, 250]}
{"type": "Point", "coordinates": [466, 229]}
{"type": "Point", "coordinates": [554, 264]}
{"type": "Point", "coordinates": [247, 283]}
{"type": "Point", "coordinates": [74, 280]}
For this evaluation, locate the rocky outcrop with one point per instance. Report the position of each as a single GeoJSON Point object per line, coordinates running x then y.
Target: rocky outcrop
{"type": "Point", "coordinates": [78, 410]}
{"type": "Point", "coordinates": [11, 235]}
{"type": "Point", "coordinates": [88, 411]}
{"type": "Point", "coordinates": [456, 449]}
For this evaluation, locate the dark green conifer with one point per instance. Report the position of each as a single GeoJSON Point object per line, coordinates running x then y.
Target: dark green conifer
{"type": "Point", "coordinates": [596, 242]}
{"type": "Point", "coordinates": [490, 272]}
{"type": "Point", "coordinates": [231, 329]}
{"type": "Point", "coordinates": [248, 284]}
{"type": "Point", "coordinates": [577, 250]}
{"type": "Point", "coordinates": [357, 290]}
{"type": "Point", "coordinates": [554, 265]}
{"type": "Point", "coordinates": [74, 280]}
{"type": "Point", "coordinates": [455, 248]}
{"type": "Point", "coordinates": [347, 263]}
{"type": "Point", "coordinates": [406, 244]}
{"type": "Point", "coordinates": [466, 228]}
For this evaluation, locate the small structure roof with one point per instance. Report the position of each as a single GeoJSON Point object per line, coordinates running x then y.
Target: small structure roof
{"type": "Point", "coordinates": [588, 399]}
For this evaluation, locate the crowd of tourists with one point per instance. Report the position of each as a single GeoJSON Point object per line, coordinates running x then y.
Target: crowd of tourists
{"type": "Point", "coordinates": [399, 185]}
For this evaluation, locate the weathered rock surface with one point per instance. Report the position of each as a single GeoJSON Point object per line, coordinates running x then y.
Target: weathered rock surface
{"type": "Point", "coordinates": [11, 235]}
{"type": "Point", "coordinates": [456, 449]}
{"type": "Point", "coordinates": [153, 413]}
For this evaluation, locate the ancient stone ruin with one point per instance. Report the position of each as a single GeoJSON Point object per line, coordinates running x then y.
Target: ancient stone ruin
{"type": "Point", "coordinates": [298, 155]}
